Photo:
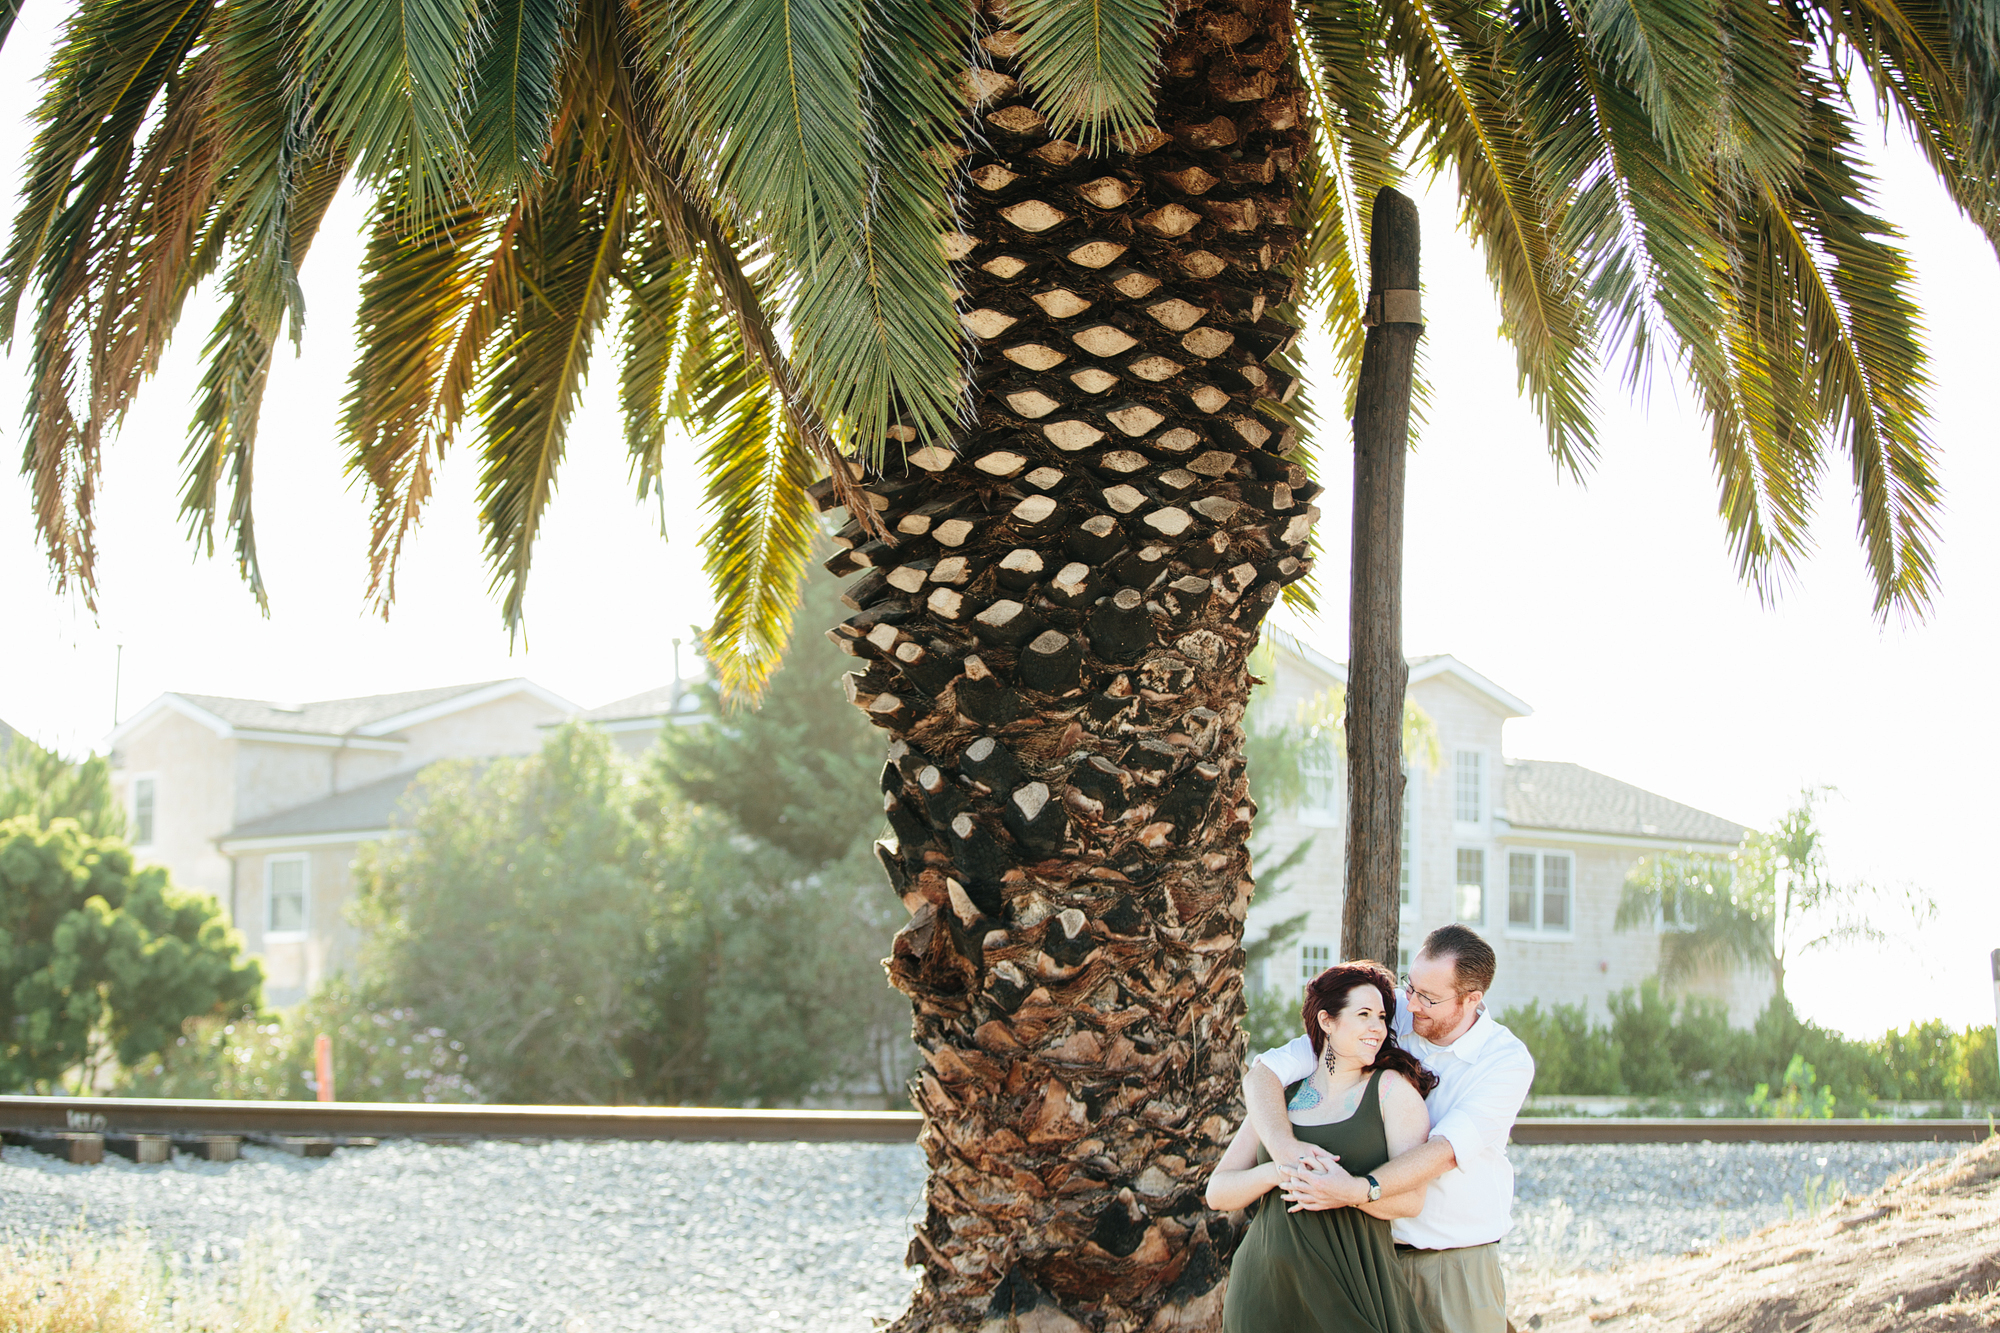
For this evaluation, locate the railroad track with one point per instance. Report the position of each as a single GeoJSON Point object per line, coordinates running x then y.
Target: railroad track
{"type": "Point", "coordinates": [82, 1129]}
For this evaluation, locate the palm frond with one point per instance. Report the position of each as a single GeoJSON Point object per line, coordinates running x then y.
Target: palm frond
{"type": "Point", "coordinates": [1863, 343]}
{"type": "Point", "coordinates": [660, 313]}
{"type": "Point", "coordinates": [1093, 64]}
{"type": "Point", "coordinates": [1465, 117]}
{"type": "Point", "coordinates": [389, 78]}
{"type": "Point", "coordinates": [9, 11]}
{"type": "Point", "coordinates": [566, 253]}
{"type": "Point", "coordinates": [515, 90]}
{"type": "Point", "coordinates": [759, 537]}
{"type": "Point", "coordinates": [422, 278]}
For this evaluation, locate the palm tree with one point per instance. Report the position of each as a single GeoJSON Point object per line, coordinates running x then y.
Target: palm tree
{"type": "Point", "coordinates": [1068, 438]}
{"type": "Point", "coordinates": [1763, 906]}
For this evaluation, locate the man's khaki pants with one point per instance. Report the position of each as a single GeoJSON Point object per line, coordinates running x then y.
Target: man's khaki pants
{"type": "Point", "coordinates": [1458, 1291]}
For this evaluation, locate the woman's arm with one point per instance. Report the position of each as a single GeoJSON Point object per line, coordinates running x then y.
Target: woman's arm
{"type": "Point", "coordinates": [1406, 1123]}
{"type": "Point", "coordinates": [1238, 1181]}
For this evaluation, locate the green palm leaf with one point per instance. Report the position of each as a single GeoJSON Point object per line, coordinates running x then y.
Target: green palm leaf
{"type": "Point", "coordinates": [1464, 116]}
{"type": "Point", "coordinates": [515, 90]}
{"type": "Point", "coordinates": [1093, 64]}
{"type": "Point", "coordinates": [389, 78]}
{"type": "Point", "coordinates": [422, 280]}
{"type": "Point", "coordinates": [566, 253]}
{"type": "Point", "coordinates": [661, 313]}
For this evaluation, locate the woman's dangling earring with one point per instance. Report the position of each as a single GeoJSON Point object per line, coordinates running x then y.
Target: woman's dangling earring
{"type": "Point", "coordinates": [1329, 1056]}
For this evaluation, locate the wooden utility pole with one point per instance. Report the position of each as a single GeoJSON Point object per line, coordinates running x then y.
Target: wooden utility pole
{"type": "Point", "coordinates": [1377, 676]}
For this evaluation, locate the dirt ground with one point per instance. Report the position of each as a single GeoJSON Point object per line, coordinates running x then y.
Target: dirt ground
{"type": "Point", "coordinates": [1920, 1255]}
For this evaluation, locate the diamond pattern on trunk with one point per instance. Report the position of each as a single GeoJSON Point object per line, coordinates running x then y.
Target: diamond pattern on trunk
{"type": "Point", "coordinates": [1124, 499]}
{"type": "Point", "coordinates": [1155, 368]}
{"type": "Point", "coordinates": [1061, 303]}
{"type": "Point", "coordinates": [1022, 120]}
{"type": "Point", "coordinates": [1201, 264]}
{"type": "Point", "coordinates": [953, 531]}
{"type": "Point", "coordinates": [1000, 463]}
{"type": "Point", "coordinates": [1095, 254]}
{"type": "Point", "coordinates": [957, 245]}
{"type": "Point", "coordinates": [1035, 356]}
{"type": "Point", "coordinates": [1093, 380]}
{"type": "Point", "coordinates": [1045, 478]}
{"type": "Point", "coordinates": [1032, 215]}
{"type": "Point", "coordinates": [1208, 342]}
{"type": "Point", "coordinates": [1135, 419]}
{"type": "Point", "coordinates": [1103, 340]}
{"type": "Point", "coordinates": [1032, 403]}
{"type": "Point", "coordinates": [1058, 152]}
{"type": "Point", "coordinates": [1134, 283]}
{"type": "Point", "coordinates": [1107, 192]}
{"type": "Point", "coordinates": [1190, 180]}
{"type": "Point", "coordinates": [1178, 440]}
{"type": "Point", "coordinates": [1168, 522]}
{"type": "Point", "coordinates": [1209, 398]}
{"type": "Point", "coordinates": [1034, 509]}
{"type": "Point", "coordinates": [1123, 460]}
{"type": "Point", "coordinates": [1070, 436]}
{"type": "Point", "coordinates": [987, 323]}
{"type": "Point", "coordinates": [1173, 220]}
{"type": "Point", "coordinates": [1004, 266]}
{"type": "Point", "coordinates": [933, 458]}
{"type": "Point", "coordinates": [1176, 314]}
{"type": "Point", "coordinates": [992, 176]}
{"type": "Point", "coordinates": [1214, 463]}
{"type": "Point", "coordinates": [1253, 431]}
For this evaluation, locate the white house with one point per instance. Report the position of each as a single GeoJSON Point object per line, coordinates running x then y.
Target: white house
{"type": "Point", "coordinates": [1531, 853]}
{"type": "Point", "coordinates": [265, 804]}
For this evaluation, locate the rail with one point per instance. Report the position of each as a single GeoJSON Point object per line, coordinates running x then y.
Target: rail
{"type": "Point", "coordinates": [188, 1119]}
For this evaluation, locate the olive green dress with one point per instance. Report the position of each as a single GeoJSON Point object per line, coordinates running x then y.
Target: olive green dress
{"type": "Point", "coordinates": [1331, 1271]}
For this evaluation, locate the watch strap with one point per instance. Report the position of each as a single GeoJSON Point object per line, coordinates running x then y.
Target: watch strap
{"type": "Point", "coordinates": [1374, 1188]}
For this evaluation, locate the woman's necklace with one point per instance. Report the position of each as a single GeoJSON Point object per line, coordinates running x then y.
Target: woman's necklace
{"type": "Point", "coordinates": [1305, 1098]}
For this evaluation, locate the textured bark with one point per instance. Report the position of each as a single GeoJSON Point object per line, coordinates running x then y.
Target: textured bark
{"type": "Point", "coordinates": [1056, 643]}
{"type": "Point", "coordinates": [1377, 674]}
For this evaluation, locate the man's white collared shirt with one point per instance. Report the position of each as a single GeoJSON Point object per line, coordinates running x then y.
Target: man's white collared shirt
{"type": "Point", "coordinates": [1483, 1078]}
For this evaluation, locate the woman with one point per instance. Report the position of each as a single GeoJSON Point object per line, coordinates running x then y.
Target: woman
{"type": "Point", "coordinates": [1332, 1270]}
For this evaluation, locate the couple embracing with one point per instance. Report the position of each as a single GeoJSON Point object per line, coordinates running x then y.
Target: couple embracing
{"type": "Point", "coordinates": [1374, 1155]}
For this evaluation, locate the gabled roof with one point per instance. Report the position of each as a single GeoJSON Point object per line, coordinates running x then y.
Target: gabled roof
{"type": "Point", "coordinates": [369, 715]}
{"type": "Point", "coordinates": [1421, 668]}
{"type": "Point", "coordinates": [363, 809]}
{"type": "Point", "coordinates": [1546, 794]}
{"type": "Point", "coordinates": [659, 701]}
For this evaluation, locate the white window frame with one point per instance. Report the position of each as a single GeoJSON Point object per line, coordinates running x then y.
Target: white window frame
{"type": "Point", "coordinates": [303, 860]}
{"type": "Point", "coordinates": [1535, 929]}
{"type": "Point", "coordinates": [1458, 885]}
{"type": "Point", "coordinates": [153, 833]}
{"type": "Point", "coordinates": [1483, 789]}
{"type": "Point", "coordinates": [1410, 852]}
{"type": "Point", "coordinates": [1328, 780]}
{"type": "Point", "coordinates": [1314, 957]}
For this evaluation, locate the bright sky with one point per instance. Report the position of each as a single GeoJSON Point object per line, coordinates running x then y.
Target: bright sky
{"type": "Point", "coordinates": [1611, 607]}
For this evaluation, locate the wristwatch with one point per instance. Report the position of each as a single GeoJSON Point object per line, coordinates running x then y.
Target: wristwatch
{"type": "Point", "coordinates": [1374, 1188]}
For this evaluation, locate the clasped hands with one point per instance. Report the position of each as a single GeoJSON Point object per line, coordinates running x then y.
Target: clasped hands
{"type": "Point", "coordinates": [1316, 1181]}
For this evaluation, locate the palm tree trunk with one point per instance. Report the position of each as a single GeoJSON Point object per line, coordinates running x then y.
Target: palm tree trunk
{"type": "Point", "coordinates": [1378, 677]}
{"type": "Point", "coordinates": [1056, 642]}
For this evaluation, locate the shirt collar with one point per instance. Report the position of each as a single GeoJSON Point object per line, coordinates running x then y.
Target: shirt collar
{"type": "Point", "coordinates": [1468, 1047]}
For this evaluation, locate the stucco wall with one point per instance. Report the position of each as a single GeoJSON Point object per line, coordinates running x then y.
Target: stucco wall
{"type": "Point", "coordinates": [512, 725]}
{"type": "Point", "coordinates": [194, 793]}
{"type": "Point", "coordinates": [293, 969]}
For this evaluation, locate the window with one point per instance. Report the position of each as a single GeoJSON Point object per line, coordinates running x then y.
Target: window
{"type": "Point", "coordinates": [1471, 883]}
{"type": "Point", "coordinates": [1320, 767]}
{"type": "Point", "coordinates": [1540, 891]}
{"type": "Point", "coordinates": [1469, 787]}
{"type": "Point", "coordinates": [1403, 958]}
{"type": "Point", "coordinates": [1409, 823]}
{"type": "Point", "coordinates": [1313, 960]}
{"type": "Point", "coordinates": [285, 885]}
{"type": "Point", "coordinates": [142, 812]}
{"type": "Point", "coordinates": [1555, 892]}
{"type": "Point", "coordinates": [1521, 890]}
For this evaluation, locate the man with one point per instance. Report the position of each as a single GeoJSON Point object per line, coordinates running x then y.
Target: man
{"type": "Point", "coordinates": [1450, 1250]}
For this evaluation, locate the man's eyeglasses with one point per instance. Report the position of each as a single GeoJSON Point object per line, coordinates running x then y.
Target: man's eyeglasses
{"type": "Point", "coordinates": [1420, 998]}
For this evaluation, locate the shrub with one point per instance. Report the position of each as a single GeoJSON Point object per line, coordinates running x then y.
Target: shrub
{"type": "Point", "coordinates": [1572, 1057]}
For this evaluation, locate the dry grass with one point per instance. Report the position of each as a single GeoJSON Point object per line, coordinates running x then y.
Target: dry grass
{"type": "Point", "coordinates": [84, 1282]}
{"type": "Point", "coordinates": [1920, 1255]}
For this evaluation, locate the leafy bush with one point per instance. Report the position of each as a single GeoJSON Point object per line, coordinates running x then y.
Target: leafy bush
{"type": "Point", "coordinates": [381, 1053]}
{"type": "Point", "coordinates": [101, 960]}
{"type": "Point", "coordinates": [1571, 1056]}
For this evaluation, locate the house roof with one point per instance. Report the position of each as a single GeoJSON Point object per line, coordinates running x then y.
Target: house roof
{"type": "Point", "coordinates": [1547, 794]}
{"type": "Point", "coordinates": [656, 702]}
{"type": "Point", "coordinates": [371, 715]}
{"type": "Point", "coordinates": [364, 809]}
{"type": "Point", "coordinates": [1421, 668]}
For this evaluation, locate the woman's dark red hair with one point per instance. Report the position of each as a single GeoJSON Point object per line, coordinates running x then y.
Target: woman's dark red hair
{"type": "Point", "coordinates": [1327, 994]}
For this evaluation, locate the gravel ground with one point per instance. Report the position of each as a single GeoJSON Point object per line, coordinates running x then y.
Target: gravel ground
{"type": "Point", "coordinates": [714, 1238]}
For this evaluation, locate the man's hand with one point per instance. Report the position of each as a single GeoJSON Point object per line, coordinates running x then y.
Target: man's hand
{"type": "Point", "coordinates": [1295, 1153]}
{"type": "Point", "coordinates": [1320, 1184]}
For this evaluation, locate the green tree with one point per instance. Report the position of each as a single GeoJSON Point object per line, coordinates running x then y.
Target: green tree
{"type": "Point", "coordinates": [1762, 906]}
{"type": "Point", "coordinates": [45, 787]}
{"type": "Point", "coordinates": [1089, 475]}
{"type": "Point", "coordinates": [513, 916]}
{"type": "Point", "coordinates": [99, 960]}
